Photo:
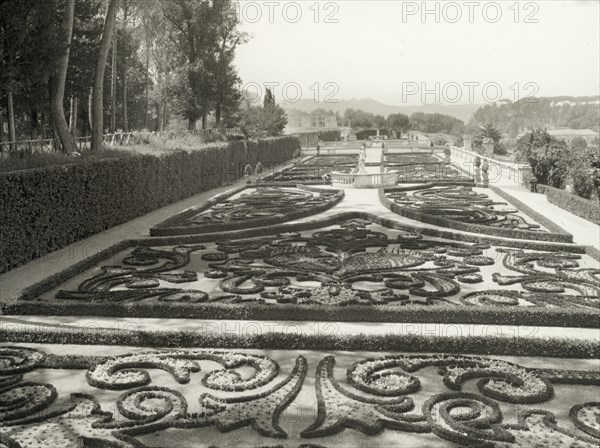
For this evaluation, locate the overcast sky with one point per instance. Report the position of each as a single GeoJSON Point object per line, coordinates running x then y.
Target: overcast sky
{"type": "Point", "coordinates": [387, 50]}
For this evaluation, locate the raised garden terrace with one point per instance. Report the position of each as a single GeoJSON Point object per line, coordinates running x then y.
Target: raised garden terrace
{"type": "Point", "coordinates": [282, 311]}
{"type": "Point", "coordinates": [424, 166]}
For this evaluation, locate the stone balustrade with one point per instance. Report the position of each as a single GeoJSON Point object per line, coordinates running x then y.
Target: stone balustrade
{"type": "Point", "coordinates": [364, 180]}
{"type": "Point", "coordinates": [499, 171]}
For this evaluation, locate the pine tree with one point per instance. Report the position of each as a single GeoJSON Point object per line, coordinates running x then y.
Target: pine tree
{"type": "Point", "coordinates": [269, 98]}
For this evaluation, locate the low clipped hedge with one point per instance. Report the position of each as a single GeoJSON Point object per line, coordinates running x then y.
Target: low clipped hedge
{"type": "Point", "coordinates": [441, 221]}
{"type": "Point", "coordinates": [333, 135]}
{"type": "Point", "coordinates": [48, 208]}
{"type": "Point", "coordinates": [177, 226]}
{"type": "Point", "coordinates": [54, 281]}
{"type": "Point", "coordinates": [434, 313]}
{"type": "Point", "coordinates": [522, 207]}
{"type": "Point", "coordinates": [584, 208]}
{"type": "Point", "coordinates": [468, 345]}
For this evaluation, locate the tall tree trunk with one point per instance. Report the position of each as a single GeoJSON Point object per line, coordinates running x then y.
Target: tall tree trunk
{"type": "Point", "coordinates": [163, 116]}
{"type": "Point", "coordinates": [34, 125]}
{"type": "Point", "coordinates": [125, 113]}
{"type": "Point", "coordinates": [1, 124]}
{"type": "Point", "coordinates": [113, 87]}
{"type": "Point", "coordinates": [124, 78]}
{"type": "Point", "coordinates": [203, 120]}
{"type": "Point", "coordinates": [147, 81]}
{"type": "Point", "coordinates": [157, 122]}
{"type": "Point", "coordinates": [58, 112]}
{"type": "Point", "coordinates": [71, 113]}
{"type": "Point", "coordinates": [98, 90]}
{"type": "Point", "coordinates": [75, 116]}
{"type": "Point", "coordinates": [53, 132]}
{"type": "Point", "coordinates": [11, 120]}
{"type": "Point", "coordinates": [218, 114]}
{"type": "Point", "coordinates": [90, 108]}
{"type": "Point", "coordinates": [43, 125]}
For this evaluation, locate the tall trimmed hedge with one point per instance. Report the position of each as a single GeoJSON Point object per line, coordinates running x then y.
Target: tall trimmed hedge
{"type": "Point", "coordinates": [584, 208]}
{"type": "Point", "coordinates": [45, 209]}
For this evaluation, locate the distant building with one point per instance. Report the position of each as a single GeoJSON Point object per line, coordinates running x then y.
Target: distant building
{"type": "Point", "coordinates": [569, 134]}
{"type": "Point", "coordinates": [299, 121]}
{"type": "Point", "coordinates": [248, 100]}
{"type": "Point", "coordinates": [575, 103]}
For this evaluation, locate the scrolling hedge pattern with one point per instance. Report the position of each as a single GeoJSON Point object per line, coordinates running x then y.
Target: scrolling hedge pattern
{"type": "Point", "coordinates": [261, 203]}
{"type": "Point", "coordinates": [460, 203]}
{"type": "Point", "coordinates": [415, 167]}
{"type": "Point", "coordinates": [403, 269]}
{"type": "Point", "coordinates": [467, 419]}
{"type": "Point", "coordinates": [379, 395]}
{"type": "Point", "coordinates": [32, 413]}
{"type": "Point", "coordinates": [260, 207]}
{"type": "Point", "coordinates": [313, 170]}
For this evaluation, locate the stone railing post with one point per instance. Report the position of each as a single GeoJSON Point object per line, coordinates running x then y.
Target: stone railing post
{"type": "Point", "coordinates": [488, 147]}
{"type": "Point", "coordinates": [467, 142]}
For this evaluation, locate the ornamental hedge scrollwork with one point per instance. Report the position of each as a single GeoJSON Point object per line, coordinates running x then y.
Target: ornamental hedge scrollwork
{"type": "Point", "coordinates": [463, 418]}
{"type": "Point", "coordinates": [379, 395]}
{"type": "Point", "coordinates": [124, 372]}
{"type": "Point", "coordinates": [461, 203]}
{"type": "Point", "coordinates": [406, 269]}
{"type": "Point", "coordinates": [32, 414]}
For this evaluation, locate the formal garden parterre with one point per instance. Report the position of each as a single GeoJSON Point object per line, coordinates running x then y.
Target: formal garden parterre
{"type": "Point", "coordinates": [311, 171]}
{"type": "Point", "coordinates": [61, 394]}
{"type": "Point", "coordinates": [424, 167]}
{"type": "Point", "coordinates": [278, 249]}
{"type": "Point", "coordinates": [247, 207]}
{"type": "Point", "coordinates": [363, 268]}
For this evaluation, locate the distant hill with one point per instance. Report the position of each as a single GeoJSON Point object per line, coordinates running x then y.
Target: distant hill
{"type": "Point", "coordinates": [461, 111]}
{"type": "Point", "coordinates": [544, 112]}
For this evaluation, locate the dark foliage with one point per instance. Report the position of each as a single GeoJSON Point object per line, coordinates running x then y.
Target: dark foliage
{"type": "Point", "coordinates": [48, 208]}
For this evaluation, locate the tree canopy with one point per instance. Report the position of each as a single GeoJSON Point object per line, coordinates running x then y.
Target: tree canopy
{"type": "Point", "coordinates": [172, 58]}
{"type": "Point", "coordinates": [267, 121]}
{"type": "Point", "coordinates": [531, 113]}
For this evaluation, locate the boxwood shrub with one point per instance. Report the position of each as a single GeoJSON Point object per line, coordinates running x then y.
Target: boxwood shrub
{"type": "Point", "coordinates": [584, 208]}
{"type": "Point", "coordinates": [332, 135]}
{"type": "Point", "coordinates": [417, 343]}
{"type": "Point", "coordinates": [46, 209]}
{"type": "Point", "coordinates": [521, 206]}
{"type": "Point", "coordinates": [441, 221]}
{"type": "Point", "coordinates": [502, 315]}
